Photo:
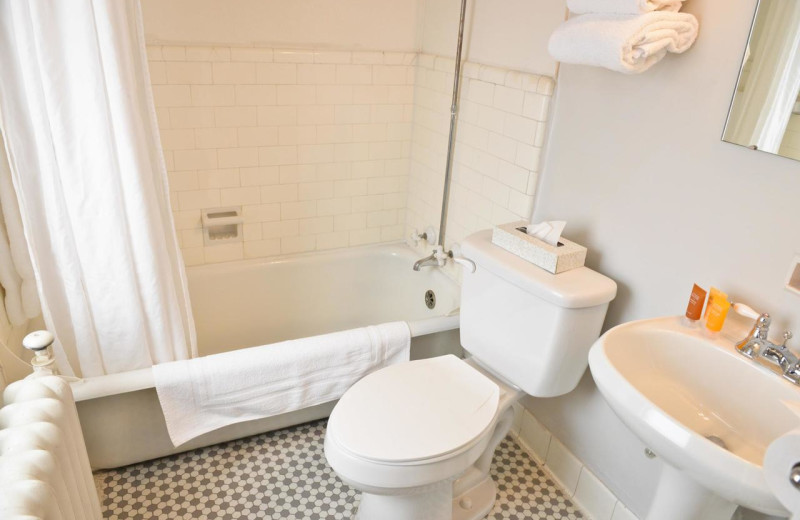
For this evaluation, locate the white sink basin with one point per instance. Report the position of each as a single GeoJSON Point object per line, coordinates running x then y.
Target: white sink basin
{"type": "Point", "coordinates": [675, 389]}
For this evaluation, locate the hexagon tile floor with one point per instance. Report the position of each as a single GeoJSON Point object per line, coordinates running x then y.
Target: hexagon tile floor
{"type": "Point", "coordinates": [284, 475]}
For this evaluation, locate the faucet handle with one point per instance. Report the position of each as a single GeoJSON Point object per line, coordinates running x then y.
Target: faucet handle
{"type": "Point", "coordinates": [786, 337]}
{"type": "Point", "coordinates": [455, 254]}
{"type": "Point", "coordinates": [746, 311]}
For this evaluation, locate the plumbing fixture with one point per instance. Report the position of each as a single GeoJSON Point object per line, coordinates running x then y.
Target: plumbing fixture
{"type": "Point", "coordinates": [39, 342]}
{"type": "Point", "coordinates": [430, 299]}
{"type": "Point", "coordinates": [429, 236]}
{"type": "Point", "coordinates": [756, 345]}
{"type": "Point", "coordinates": [439, 258]}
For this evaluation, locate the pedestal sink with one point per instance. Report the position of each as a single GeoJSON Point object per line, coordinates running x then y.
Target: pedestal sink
{"type": "Point", "coordinates": [708, 412]}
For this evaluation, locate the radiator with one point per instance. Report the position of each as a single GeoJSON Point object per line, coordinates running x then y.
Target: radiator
{"type": "Point", "coordinates": [44, 468]}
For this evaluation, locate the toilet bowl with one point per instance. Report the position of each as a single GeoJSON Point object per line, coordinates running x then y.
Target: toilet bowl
{"type": "Point", "coordinates": [417, 439]}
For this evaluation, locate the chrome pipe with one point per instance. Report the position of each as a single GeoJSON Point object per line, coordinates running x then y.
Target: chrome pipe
{"type": "Point", "coordinates": [453, 120]}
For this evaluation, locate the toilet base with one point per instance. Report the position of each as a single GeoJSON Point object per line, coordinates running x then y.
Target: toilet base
{"type": "Point", "coordinates": [435, 502]}
{"type": "Point", "coordinates": [476, 502]}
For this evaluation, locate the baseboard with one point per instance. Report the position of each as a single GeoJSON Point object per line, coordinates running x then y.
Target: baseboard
{"type": "Point", "coordinates": [584, 488]}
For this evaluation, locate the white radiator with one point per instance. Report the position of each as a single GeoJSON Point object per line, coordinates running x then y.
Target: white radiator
{"type": "Point", "coordinates": [44, 468]}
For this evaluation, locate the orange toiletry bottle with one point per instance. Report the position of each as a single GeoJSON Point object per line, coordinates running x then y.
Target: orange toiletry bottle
{"type": "Point", "coordinates": [694, 311]}
{"type": "Point", "coordinates": [717, 310]}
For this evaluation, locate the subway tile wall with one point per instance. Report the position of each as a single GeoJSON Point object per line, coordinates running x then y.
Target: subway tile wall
{"type": "Point", "coordinates": [331, 149]}
{"type": "Point", "coordinates": [499, 139]}
{"type": "Point", "coordinates": [313, 145]}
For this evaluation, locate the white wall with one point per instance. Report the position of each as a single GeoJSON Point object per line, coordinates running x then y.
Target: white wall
{"type": "Point", "coordinates": [511, 34]}
{"type": "Point", "coordinates": [636, 166]}
{"type": "Point", "coordinates": [352, 24]}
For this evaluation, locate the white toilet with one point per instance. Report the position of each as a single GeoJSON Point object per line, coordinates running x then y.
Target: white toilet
{"type": "Point", "coordinates": [417, 439]}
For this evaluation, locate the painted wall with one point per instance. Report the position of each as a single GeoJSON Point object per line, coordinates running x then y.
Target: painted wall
{"type": "Point", "coordinates": [790, 146]}
{"type": "Point", "coordinates": [636, 166]}
{"type": "Point", "coordinates": [351, 24]}
{"type": "Point", "coordinates": [512, 34]}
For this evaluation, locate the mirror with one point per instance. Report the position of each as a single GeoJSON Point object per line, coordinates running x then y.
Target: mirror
{"type": "Point", "coordinates": [765, 110]}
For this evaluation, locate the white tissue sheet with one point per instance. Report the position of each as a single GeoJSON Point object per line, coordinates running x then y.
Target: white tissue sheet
{"type": "Point", "coordinates": [623, 6]}
{"type": "Point", "coordinates": [623, 43]}
{"type": "Point", "coordinates": [548, 231]}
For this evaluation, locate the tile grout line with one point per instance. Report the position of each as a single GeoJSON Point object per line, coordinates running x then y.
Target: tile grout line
{"type": "Point", "coordinates": [517, 435]}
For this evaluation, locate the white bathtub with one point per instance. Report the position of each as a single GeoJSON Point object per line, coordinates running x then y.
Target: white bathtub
{"type": "Point", "coordinates": [257, 302]}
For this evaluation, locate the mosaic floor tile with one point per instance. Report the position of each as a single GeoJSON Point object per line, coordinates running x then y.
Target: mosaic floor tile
{"type": "Point", "coordinates": [284, 475]}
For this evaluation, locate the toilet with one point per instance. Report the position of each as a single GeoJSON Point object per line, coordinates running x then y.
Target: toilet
{"type": "Point", "coordinates": [417, 438]}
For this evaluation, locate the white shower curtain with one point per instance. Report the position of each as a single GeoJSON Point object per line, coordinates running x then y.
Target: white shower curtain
{"type": "Point", "coordinates": [21, 301]}
{"type": "Point", "coordinates": [78, 119]}
{"type": "Point", "coordinates": [762, 108]}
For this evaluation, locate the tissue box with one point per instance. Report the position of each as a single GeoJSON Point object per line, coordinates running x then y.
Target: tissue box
{"type": "Point", "coordinates": [555, 259]}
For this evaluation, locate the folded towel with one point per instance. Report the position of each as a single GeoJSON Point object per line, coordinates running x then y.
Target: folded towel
{"type": "Point", "coordinates": [623, 43]}
{"type": "Point", "coordinates": [202, 394]}
{"type": "Point", "coordinates": [623, 6]}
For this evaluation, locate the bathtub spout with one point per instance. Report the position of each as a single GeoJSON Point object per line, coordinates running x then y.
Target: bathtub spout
{"type": "Point", "coordinates": [428, 260]}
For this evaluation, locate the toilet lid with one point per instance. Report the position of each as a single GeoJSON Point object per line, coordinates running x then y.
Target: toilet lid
{"type": "Point", "coordinates": [413, 411]}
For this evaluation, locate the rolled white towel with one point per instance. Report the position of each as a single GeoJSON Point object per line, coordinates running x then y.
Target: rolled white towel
{"type": "Point", "coordinates": [623, 6]}
{"type": "Point", "coordinates": [624, 43]}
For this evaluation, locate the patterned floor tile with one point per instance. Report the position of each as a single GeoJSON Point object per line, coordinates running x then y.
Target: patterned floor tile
{"type": "Point", "coordinates": [284, 475]}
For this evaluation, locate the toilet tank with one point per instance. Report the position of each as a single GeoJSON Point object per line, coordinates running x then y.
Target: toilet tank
{"type": "Point", "coordinates": [529, 326]}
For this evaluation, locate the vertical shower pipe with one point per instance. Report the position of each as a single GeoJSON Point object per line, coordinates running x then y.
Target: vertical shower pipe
{"type": "Point", "coordinates": [453, 118]}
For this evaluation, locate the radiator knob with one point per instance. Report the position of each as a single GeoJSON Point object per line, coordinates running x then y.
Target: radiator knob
{"type": "Point", "coordinates": [39, 340]}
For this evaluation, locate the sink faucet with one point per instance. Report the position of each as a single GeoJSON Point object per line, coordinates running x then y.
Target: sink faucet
{"type": "Point", "coordinates": [756, 346]}
{"type": "Point", "coordinates": [756, 339]}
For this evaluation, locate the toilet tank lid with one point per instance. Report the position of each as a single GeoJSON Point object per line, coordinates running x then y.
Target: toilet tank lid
{"type": "Point", "coordinates": [573, 289]}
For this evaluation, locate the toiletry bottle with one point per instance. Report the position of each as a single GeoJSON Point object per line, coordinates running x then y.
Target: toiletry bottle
{"type": "Point", "coordinates": [694, 310]}
{"type": "Point", "coordinates": [717, 310]}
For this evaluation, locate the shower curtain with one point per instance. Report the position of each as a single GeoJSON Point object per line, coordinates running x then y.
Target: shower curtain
{"type": "Point", "coordinates": [80, 129]}
{"type": "Point", "coordinates": [21, 299]}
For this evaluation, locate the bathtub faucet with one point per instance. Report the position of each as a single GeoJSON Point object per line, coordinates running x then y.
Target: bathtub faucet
{"type": "Point", "coordinates": [439, 258]}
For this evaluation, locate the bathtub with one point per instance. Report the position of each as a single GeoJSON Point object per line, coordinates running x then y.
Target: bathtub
{"type": "Point", "coordinates": [258, 302]}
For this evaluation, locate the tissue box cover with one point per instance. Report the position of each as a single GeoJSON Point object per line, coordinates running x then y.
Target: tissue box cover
{"type": "Point", "coordinates": [555, 259]}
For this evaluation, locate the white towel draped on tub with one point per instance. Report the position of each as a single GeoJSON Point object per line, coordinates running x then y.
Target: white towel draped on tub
{"type": "Point", "coordinates": [203, 394]}
{"type": "Point", "coordinates": [623, 6]}
{"type": "Point", "coordinates": [623, 43]}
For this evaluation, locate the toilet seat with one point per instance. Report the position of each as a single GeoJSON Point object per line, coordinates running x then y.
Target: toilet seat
{"type": "Point", "coordinates": [416, 412]}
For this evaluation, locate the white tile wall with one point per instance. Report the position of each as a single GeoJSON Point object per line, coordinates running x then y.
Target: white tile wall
{"type": "Point", "coordinates": [314, 145]}
{"type": "Point", "coordinates": [576, 479]}
{"type": "Point", "coordinates": [328, 149]}
{"type": "Point", "coordinates": [501, 129]}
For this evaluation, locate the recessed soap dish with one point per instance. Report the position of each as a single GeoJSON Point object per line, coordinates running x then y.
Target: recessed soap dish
{"type": "Point", "coordinates": [222, 225]}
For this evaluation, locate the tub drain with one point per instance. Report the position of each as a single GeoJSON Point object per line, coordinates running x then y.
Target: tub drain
{"type": "Point", "coordinates": [430, 299]}
{"type": "Point", "coordinates": [719, 442]}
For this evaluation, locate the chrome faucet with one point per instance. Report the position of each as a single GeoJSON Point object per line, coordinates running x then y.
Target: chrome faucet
{"type": "Point", "coordinates": [756, 346]}
{"type": "Point", "coordinates": [428, 260]}
{"type": "Point", "coordinates": [757, 337]}
{"type": "Point", "coordinates": [439, 257]}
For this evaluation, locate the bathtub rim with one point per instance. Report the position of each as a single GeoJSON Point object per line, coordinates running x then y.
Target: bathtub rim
{"type": "Point", "coordinates": [142, 378]}
{"type": "Point", "coordinates": [133, 380]}
{"type": "Point", "coordinates": [397, 248]}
